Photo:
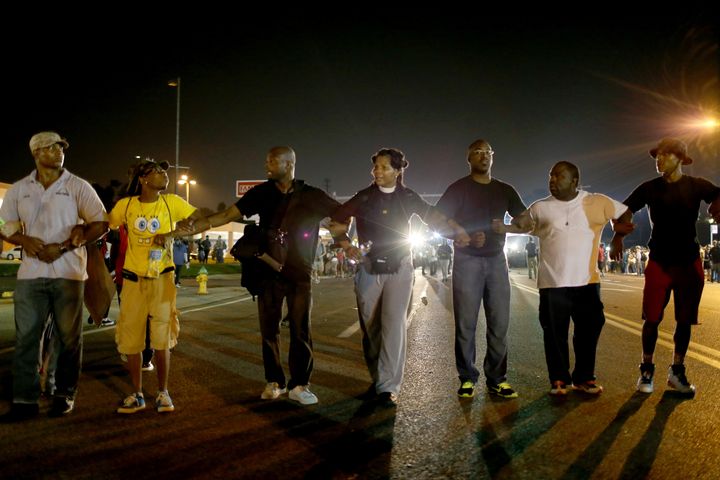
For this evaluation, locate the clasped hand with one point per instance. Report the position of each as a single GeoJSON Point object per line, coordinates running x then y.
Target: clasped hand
{"type": "Point", "coordinates": [49, 252]}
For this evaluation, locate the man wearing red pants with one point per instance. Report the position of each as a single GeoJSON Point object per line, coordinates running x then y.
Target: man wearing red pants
{"type": "Point", "coordinates": [673, 201]}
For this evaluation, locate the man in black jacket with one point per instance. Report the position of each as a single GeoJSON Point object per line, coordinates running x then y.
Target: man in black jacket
{"type": "Point", "coordinates": [302, 206]}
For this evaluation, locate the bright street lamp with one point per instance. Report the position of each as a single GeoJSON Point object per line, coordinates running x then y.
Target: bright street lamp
{"type": "Point", "coordinates": [176, 83]}
{"type": "Point", "coordinates": [187, 181]}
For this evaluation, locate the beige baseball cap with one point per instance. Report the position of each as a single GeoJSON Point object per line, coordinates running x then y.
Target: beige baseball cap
{"type": "Point", "coordinates": [45, 139]}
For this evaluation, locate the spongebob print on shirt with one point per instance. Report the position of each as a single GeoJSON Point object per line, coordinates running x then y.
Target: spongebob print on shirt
{"type": "Point", "coordinates": [145, 221]}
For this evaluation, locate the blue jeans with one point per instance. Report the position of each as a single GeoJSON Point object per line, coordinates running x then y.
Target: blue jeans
{"type": "Point", "coordinates": [34, 300]}
{"type": "Point", "coordinates": [476, 281]}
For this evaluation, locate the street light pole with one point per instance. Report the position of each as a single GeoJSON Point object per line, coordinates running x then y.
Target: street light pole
{"type": "Point", "coordinates": [176, 83]}
{"type": "Point", "coordinates": [185, 180]}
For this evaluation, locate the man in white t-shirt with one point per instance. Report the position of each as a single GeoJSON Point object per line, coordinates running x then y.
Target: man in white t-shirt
{"type": "Point", "coordinates": [569, 224]}
{"type": "Point", "coordinates": [59, 212]}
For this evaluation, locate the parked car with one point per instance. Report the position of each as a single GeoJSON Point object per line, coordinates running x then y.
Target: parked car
{"type": "Point", "coordinates": [12, 254]}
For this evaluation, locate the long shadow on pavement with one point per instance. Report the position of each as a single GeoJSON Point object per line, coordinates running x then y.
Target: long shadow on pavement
{"type": "Point", "coordinates": [594, 454]}
{"type": "Point", "coordinates": [525, 427]}
{"type": "Point", "coordinates": [359, 447]}
{"type": "Point", "coordinates": [443, 292]}
{"type": "Point", "coordinates": [640, 460]}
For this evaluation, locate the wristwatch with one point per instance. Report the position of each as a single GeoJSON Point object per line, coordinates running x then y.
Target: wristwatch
{"type": "Point", "coordinates": [63, 247]}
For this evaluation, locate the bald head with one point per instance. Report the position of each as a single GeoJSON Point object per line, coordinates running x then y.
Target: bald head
{"type": "Point", "coordinates": [480, 144]}
{"type": "Point", "coordinates": [284, 153]}
{"type": "Point", "coordinates": [280, 164]}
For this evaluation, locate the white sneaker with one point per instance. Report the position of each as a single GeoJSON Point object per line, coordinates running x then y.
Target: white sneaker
{"type": "Point", "coordinates": [678, 380]}
{"type": "Point", "coordinates": [164, 403]}
{"type": "Point", "coordinates": [303, 395]}
{"type": "Point", "coordinates": [132, 403]}
{"type": "Point", "coordinates": [559, 388]}
{"type": "Point", "coordinates": [272, 391]}
{"type": "Point", "coordinates": [645, 382]}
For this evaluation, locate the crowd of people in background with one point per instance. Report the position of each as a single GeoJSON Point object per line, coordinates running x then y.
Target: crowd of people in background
{"type": "Point", "coordinates": [634, 261]}
{"type": "Point", "coordinates": [432, 257]}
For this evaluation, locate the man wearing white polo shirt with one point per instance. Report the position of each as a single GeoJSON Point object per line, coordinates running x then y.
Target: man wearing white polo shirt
{"type": "Point", "coordinates": [60, 212]}
{"type": "Point", "coordinates": [569, 224]}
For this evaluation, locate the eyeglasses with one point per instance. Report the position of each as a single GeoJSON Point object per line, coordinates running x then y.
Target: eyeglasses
{"type": "Point", "coordinates": [482, 152]}
{"type": "Point", "coordinates": [54, 146]}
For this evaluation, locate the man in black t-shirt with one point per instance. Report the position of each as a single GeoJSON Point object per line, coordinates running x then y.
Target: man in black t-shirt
{"type": "Point", "coordinates": [302, 206]}
{"type": "Point", "coordinates": [480, 270]}
{"type": "Point", "coordinates": [673, 201]}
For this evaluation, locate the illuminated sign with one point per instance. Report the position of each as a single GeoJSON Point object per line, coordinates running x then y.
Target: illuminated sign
{"type": "Point", "coordinates": [242, 186]}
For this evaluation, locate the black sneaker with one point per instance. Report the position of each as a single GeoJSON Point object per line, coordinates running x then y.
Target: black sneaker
{"type": "Point", "coordinates": [503, 390]}
{"type": "Point", "coordinates": [107, 322]}
{"type": "Point", "coordinates": [20, 412]}
{"type": "Point", "coordinates": [387, 398]}
{"type": "Point", "coordinates": [466, 390]}
{"type": "Point", "coordinates": [368, 394]}
{"type": "Point", "coordinates": [61, 406]}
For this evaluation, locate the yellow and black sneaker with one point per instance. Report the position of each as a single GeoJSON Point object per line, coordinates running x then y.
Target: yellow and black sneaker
{"type": "Point", "coordinates": [467, 389]}
{"type": "Point", "coordinates": [502, 390]}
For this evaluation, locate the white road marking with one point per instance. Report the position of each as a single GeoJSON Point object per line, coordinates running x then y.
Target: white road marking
{"type": "Point", "coordinates": [99, 330]}
{"type": "Point", "coordinates": [350, 331]}
{"type": "Point", "coordinates": [208, 307]}
{"type": "Point", "coordinates": [665, 339]}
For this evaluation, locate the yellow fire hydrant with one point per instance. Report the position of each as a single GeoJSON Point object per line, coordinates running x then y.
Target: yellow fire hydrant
{"type": "Point", "coordinates": [202, 281]}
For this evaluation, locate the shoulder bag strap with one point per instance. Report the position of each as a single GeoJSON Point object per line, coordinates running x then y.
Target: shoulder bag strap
{"type": "Point", "coordinates": [282, 214]}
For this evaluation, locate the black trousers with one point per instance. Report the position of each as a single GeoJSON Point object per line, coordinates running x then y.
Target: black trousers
{"type": "Point", "coordinates": [557, 307]}
{"type": "Point", "coordinates": [178, 269]}
{"type": "Point", "coordinates": [270, 307]}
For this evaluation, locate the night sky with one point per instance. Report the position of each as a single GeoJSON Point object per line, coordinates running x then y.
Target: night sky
{"type": "Point", "coordinates": [598, 93]}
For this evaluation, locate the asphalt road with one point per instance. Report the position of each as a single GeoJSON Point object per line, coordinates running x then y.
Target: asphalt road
{"type": "Point", "coordinates": [221, 429]}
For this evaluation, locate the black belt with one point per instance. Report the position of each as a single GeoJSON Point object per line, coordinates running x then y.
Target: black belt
{"type": "Point", "coordinates": [133, 277]}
